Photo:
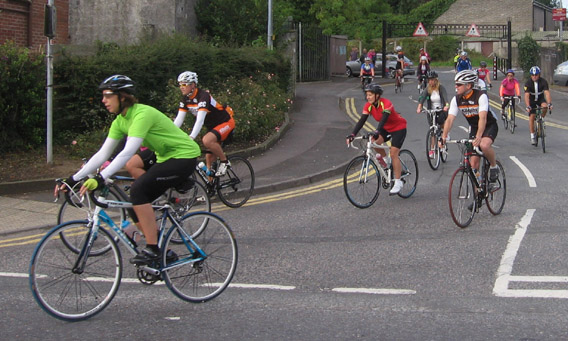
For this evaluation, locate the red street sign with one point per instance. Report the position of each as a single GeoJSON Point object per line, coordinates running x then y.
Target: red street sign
{"type": "Point", "coordinates": [559, 14]}
{"type": "Point", "coordinates": [420, 31]}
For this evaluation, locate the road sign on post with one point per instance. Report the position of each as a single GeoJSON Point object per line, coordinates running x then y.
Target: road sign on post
{"type": "Point", "coordinates": [559, 14]}
{"type": "Point", "coordinates": [420, 31]}
{"type": "Point", "coordinates": [473, 31]}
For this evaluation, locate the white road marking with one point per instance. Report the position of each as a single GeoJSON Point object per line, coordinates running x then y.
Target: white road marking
{"type": "Point", "coordinates": [374, 291]}
{"type": "Point", "coordinates": [528, 174]}
{"type": "Point", "coordinates": [504, 276]}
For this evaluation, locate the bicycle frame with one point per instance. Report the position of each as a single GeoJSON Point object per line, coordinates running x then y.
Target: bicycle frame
{"type": "Point", "coordinates": [370, 153]}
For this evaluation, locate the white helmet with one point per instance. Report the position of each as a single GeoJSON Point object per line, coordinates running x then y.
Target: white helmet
{"type": "Point", "coordinates": [398, 49]}
{"type": "Point", "coordinates": [367, 59]}
{"type": "Point", "coordinates": [466, 76]}
{"type": "Point", "coordinates": [187, 77]}
{"type": "Point", "coordinates": [464, 53]}
{"type": "Point", "coordinates": [423, 58]}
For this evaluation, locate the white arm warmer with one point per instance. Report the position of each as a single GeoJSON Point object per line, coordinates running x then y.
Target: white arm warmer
{"type": "Point", "coordinates": [130, 148]}
{"type": "Point", "coordinates": [97, 160]}
{"type": "Point", "coordinates": [180, 118]}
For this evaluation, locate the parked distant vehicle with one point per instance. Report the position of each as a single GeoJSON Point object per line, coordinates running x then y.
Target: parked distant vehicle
{"type": "Point", "coordinates": [353, 68]}
{"type": "Point", "coordinates": [560, 76]}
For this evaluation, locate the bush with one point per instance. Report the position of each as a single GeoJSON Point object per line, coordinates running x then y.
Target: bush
{"type": "Point", "coordinates": [22, 93]}
{"type": "Point", "coordinates": [247, 79]}
{"type": "Point", "coordinates": [529, 53]}
{"type": "Point", "coordinates": [443, 48]}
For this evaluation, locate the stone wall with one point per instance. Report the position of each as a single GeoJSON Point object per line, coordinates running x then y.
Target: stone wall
{"type": "Point", "coordinates": [128, 21]}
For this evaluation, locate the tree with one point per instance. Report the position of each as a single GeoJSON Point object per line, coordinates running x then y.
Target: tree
{"type": "Point", "coordinates": [529, 52]}
{"type": "Point", "coordinates": [551, 3]}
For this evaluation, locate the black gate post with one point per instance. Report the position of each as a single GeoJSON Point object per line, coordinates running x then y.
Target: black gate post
{"type": "Point", "coordinates": [384, 56]}
{"type": "Point", "coordinates": [509, 47]}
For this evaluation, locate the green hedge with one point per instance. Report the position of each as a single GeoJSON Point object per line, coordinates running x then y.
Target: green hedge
{"type": "Point", "coordinates": [254, 81]}
{"type": "Point", "coordinates": [22, 94]}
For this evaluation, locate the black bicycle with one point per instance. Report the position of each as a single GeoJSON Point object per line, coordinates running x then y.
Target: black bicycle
{"type": "Point", "coordinates": [434, 153]}
{"type": "Point", "coordinates": [509, 113]}
{"type": "Point", "coordinates": [540, 127]}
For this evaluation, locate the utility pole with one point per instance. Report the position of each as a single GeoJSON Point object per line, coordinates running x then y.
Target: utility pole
{"type": "Point", "coordinates": [49, 32]}
{"type": "Point", "coordinates": [270, 34]}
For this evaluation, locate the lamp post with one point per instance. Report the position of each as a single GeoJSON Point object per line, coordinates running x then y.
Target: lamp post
{"type": "Point", "coordinates": [49, 32]}
{"type": "Point", "coordinates": [269, 38]}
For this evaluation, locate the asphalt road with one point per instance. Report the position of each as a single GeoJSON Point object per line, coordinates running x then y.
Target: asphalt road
{"type": "Point", "coordinates": [312, 266]}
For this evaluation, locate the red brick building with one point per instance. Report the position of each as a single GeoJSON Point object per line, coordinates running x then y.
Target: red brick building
{"type": "Point", "coordinates": [22, 21]}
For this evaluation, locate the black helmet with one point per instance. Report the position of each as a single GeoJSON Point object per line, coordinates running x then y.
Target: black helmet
{"type": "Point", "coordinates": [374, 88]}
{"type": "Point", "coordinates": [118, 83]}
{"type": "Point", "coordinates": [431, 74]}
{"type": "Point", "coordinates": [482, 64]}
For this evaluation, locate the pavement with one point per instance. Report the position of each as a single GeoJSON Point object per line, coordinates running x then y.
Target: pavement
{"type": "Point", "coordinates": [306, 149]}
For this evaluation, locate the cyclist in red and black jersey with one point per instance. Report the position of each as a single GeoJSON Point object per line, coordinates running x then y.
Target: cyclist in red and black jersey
{"type": "Point", "coordinates": [474, 105]}
{"type": "Point", "coordinates": [218, 119]}
{"type": "Point", "coordinates": [537, 95]}
{"type": "Point", "coordinates": [391, 126]}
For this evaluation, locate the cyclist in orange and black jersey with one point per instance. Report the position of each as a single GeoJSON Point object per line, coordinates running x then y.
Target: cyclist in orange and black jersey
{"type": "Point", "coordinates": [474, 105]}
{"type": "Point", "coordinates": [218, 119]}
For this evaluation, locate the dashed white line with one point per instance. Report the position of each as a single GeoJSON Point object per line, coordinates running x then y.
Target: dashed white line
{"type": "Point", "coordinates": [374, 291]}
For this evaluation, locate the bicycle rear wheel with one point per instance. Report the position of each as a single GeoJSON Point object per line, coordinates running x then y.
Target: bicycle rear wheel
{"type": "Point", "coordinates": [409, 173]}
{"type": "Point", "coordinates": [362, 182]}
{"type": "Point", "coordinates": [68, 293]}
{"type": "Point", "coordinates": [236, 186]}
{"type": "Point", "coordinates": [205, 264]}
{"type": "Point", "coordinates": [462, 198]}
{"type": "Point", "coordinates": [505, 118]}
{"type": "Point", "coordinates": [433, 148]}
{"type": "Point", "coordinates": [497, 191]}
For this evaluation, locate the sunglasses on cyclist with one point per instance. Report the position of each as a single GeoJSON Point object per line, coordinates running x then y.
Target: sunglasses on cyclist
{"type": "Point", "coordinates": [184, 84]}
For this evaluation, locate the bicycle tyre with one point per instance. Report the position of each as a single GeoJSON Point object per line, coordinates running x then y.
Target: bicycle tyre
{"type": "Point", "coordinates": [542, 135]}
{"type": "Point", "coordinates": [512, 120]}
{"type": "Point", "coordinates": [69, 212]}
{"type": "Point", "coordinates": [435, 161]}
{"type": "Point", "coordinates": [362, 182]}
{"type": "Point", "coordinates": [236, 186]}
{"type": "Point", "coordinates": [496, 194]}
{"type": "Point", "coordinates": [71, 295]}
{"type": "Point", "coordinates": [462, 198]}
{"type": "Point", "coordinates": [197, 277]}
{"type": "Point", "coordinates": [505, 118]}
{"type": "Point", "coordinates": [409, 173]}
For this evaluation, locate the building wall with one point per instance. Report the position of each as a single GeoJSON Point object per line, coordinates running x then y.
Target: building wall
{"type": "Point", "coordinates": [128, 21]}
{"type": "Point", "coordinates": [22, 21]}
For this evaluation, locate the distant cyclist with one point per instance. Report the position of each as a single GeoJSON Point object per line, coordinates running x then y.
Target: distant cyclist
{"type": "Point", "coordinates": [392, 126]}
{"type": "Point", "coordinates": [537, 95]}
{"type": "Point", "coordinates": [422, 70]}
{"type": "Point", "coordinates": [217, 118]}
{"type": "Point", "coordinates": [509, 87]}
{"type": "Point", "coordinates": [367, 70]}
{"type": "Point", "coordinates": [463, 62]}
{"type": "Point", "coordinates": [473, 104]}
{"type": "Point", "coordinates": [400, 63]}
{"type": "Point", "coordinates": [483, 73]}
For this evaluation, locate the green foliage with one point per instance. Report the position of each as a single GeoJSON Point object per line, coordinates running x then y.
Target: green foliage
{"type": "Point", "coordinates": [443, 48]}
{"type": "Point", "coordinates": [551, 3]}
{"type": "Point", "coordinates": [22, 93]}
{"type": "Point", "coordinates": [429, 11]}
{"type": "Point", "coordinates": [154, 66]}
{"type": "Point", "coordinates": [529, 53]}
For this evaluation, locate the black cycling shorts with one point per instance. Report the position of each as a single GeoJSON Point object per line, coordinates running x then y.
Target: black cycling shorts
{"type": "Point", "coordinates": [396, 137]}
{"type": "Point", "coordinates": [159, 178]}
{"type": "Point", "coordinates": [534, 105]}
{"type": "Point", "coordinates": [490, 131]}
{"type": "Point", "coordinates": [148, 158]}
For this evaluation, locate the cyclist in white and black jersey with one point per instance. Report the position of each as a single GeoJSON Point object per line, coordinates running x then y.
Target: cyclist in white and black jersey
{"type": "Point", "coordinates": [474, 105]}
{"type": "Point", "coordinates": [537, 95]}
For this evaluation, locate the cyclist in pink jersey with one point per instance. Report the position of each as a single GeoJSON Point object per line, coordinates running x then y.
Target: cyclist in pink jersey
{"type": "Point", "coordinates": [509, 87]}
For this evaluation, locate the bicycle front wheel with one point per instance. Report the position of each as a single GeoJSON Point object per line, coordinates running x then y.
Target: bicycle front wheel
{"type": "Point", "coordinates": [511, 116]}
{"type": "Point", "coordinates": [362, 182]}
{"type": "Point", "coordinates": [201, 267]}
{"type": "Point", "coordinates": [542, 135]}
{"type": "Point", "coordinates": [80, 211]}
{"type": "Point", "coordinates": [409, 173]}
{"type": "Point", "coordinates": [432, 149]}
{"type": "Point", "coordinates": [462, 198]}
{"type": "Point", "coordinates": [497, 191]}
{"type": "Point", "coordinates": [236, 186]}
{"type": "Point", "coordinates": [62, 285]}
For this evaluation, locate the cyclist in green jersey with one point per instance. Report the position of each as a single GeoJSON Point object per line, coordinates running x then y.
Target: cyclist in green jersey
{"type": "Point", "coordinates": [143, 125]}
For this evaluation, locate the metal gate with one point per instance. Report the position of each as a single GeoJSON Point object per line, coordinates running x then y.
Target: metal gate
{"type": "Point", "coordinates": [313, 50]}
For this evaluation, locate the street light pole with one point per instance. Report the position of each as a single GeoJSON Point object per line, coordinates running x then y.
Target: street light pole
{"type": "Point", "coordinates": [269, 38]}
{"type": "Point", "coordinates": [49, 31]}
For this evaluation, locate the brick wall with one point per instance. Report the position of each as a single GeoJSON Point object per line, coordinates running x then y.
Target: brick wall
{"type": "Point", "coordinates": [22, 21]}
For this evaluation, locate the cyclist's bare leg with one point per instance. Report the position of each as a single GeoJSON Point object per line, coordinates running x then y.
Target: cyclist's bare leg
{"type": "Point", "coordinates": [531, 123]}
{"type": "Point", "coordinates": [135, 166]}
{"type": "Point", "coordinates": [486, 147]}
{"type": "Point", "coordinates": [210, 143]}
{"type": "Point", "coordinates": [380, 140]}
{"type": "Point", "coordinates": [396, 165]}
{"type": "Point", "coordinates": [147, 222]}
{"type": "Point", "coordinates": [544, 107]}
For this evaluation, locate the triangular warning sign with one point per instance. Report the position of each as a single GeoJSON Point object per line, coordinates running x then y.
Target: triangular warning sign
{"type": "Point", "coordinates": [473, 31]}
{"type": "Point", "coordinates": [420, 31]}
